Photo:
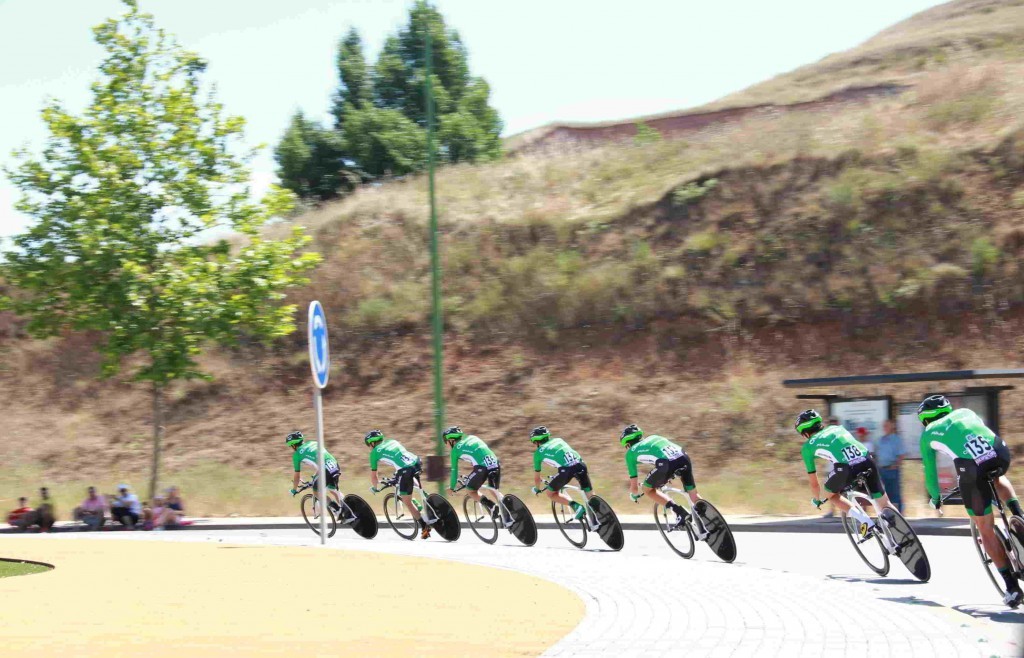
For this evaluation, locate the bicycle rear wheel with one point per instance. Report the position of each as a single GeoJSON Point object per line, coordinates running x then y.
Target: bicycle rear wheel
{"type": "Point", "coordinates": [609, 530]}
{"type": "Point", "coordinates": [447, 525]}
{"type": "Point", "coordinates": [364, 521]}
{"type": "Point", "coordinates": [679, 539]}
{"type": "Point", "coordinates": [909, 548]}
{"type": "Point", "coordinates": [870, 548]}
{"type": "Point", "coordinates": [986, 561]}
{"type": "Point", "coordinates": [480, 521]}
{"type": "Point", "coordinates": [719, 538]}
{"type": "Point", "coordinates": [523, 528]}
{"type": "Point", "coordinates": [574, 530]}
{"type": "Point", "coordinates": [311, 513]}
{"type": "Point", "coordinates": [403, 523]}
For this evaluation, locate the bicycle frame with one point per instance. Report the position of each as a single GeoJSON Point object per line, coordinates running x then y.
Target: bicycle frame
{"type": "Point", "coordinates": [501, 497]}
{"type": "Point", "coordinates": [591, 517]}
{"type": "Point", "coordinates": [348, 518]}
{"type": "Point", "coordinates": [699, 529]}
{"type": "Point", "coordinates": [417, 488]}
{"type": "Point", "coordinates": [887, 540]}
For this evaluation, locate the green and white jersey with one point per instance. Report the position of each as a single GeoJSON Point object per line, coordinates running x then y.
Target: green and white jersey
{"type": "Point", "coordinates": [961, 435]}
{"type": "Point", "coordinates": [557, 453]}
{"type": "Point", "coordinates": [833, 444]}
{"type": "Point", "coordinates": [471, 449]}
{"type": "Point", "coordinates": [649, 450]}
{"type": "Point", "coordinates": [306, 454]}
{"type": "Point", "coordinates": [391, 453]}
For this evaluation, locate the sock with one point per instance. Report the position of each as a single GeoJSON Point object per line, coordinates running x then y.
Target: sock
{"type": "Point", "coordinates": [487, 503]}
{"type": "Point", "coordinates": [1015, 507]}
{"type": "Point", "coordinates": [1009, 579]}
{"type": "Point", "coordinates": [576, 506]}
{"type": "Point", "coordinates": [677, 508]}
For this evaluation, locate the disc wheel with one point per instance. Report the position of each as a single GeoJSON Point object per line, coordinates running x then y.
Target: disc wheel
{"type": "Point", "coordinates": [447, 525]}
{"type": "Point", "coordinates": [359, 516]}
{"type": "Point", "coordinates": [720, 538]}
{"type": "Point", "coordinates": [679, 539]}
{"type": "Point", "coordinates": [575, 531]}
{"type": "Point", "coordinates": [609, 528]}
{"type": "Point", "coordinates": [986, 561]}
{"type": "Point", "coordinates": [909, 548]}
{"type": "Point", "coordinates": [311, 513]}
{"type": "Point", "coordinates": [524, 527]}
{"type": "Point", "coordinates": [480, 521]}
{"type": "Point", "coordinates": [398, 517]}
{"type": "Point", "coordinates": [870, 548]}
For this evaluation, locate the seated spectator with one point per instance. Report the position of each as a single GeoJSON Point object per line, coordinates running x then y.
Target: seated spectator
{"type": "Point", "coordinates": [46, 512]}
{"type": "Point", "coordinates": [126, 507]}
{"type": "Point", "coordinates": [155, 516]}
{"type": "Point", "coordinates": [175, 508]}
{"type": "Point", "coordinates": [19, 517]}
{"type": "Point", "coordinates": [91, 511]}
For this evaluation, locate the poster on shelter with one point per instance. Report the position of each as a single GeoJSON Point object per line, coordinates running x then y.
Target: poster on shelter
{"type": "Point", "coordinates": [868, 414]}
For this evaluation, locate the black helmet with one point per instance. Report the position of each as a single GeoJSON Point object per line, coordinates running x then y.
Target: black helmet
{"type": "Point", "coordinates": [453, 433]}
{"type": "Point", "coordinates": [294, 439]}
{"type": "Point", "coordinates": [932, 408]}
{"type": "Point", "coordinates": [630, 433]}
{"type": "Point", "coordinates": [373, 436]}
{"type": "Point", "coordinates": [807, 420]}
{"type": "Point", "coordinates": [540, 433]}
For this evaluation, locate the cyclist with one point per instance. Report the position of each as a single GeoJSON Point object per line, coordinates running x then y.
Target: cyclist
{"type": "Point", "coordinates": [849, 459]}
{"type": "Point", "coordinates": [486, 468]}
{"type": "Point", "coordinates": [977, 454]}
{"type": "Point", "coordinates": [556, 452]}
{"type": "Point", "coordinates": [668, 459]}
{"type": "Point", "coordinates": [407, 468]}
{"type": "Point", "coordinates": [304, 452]}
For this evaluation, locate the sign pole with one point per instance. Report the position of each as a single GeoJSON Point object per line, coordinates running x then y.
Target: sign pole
{"type": "Point", "coordinates": [435, 263]}
{"type": "Point", "coordinates": [320, 365]}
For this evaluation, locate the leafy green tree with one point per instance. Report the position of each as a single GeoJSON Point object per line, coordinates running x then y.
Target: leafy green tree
{"type": "Point", "coordinates": [355, 89]}
{"type": "Point", "coordinates": [311, 161]}
{"type": "Point", "coordinates": [122, 196]}
{"type": "Point", "coordinates": [384, 141]}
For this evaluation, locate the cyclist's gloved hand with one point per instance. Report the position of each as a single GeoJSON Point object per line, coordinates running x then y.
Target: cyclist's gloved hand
{"type": "Point", "coordinates": [817, 502]}
{"type": "Point", "coordinates": [635, 497]}
{"type": "Point", "coordinates": [936, 503]}
{"type": "Point", "coordinates": [535, 490]}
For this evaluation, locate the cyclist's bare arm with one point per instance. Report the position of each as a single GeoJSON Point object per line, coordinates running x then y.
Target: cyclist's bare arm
{"type": "Point", "coordinates": [295, 479]}
{"type": "Point", "coordinates": [634, 487]}
{"type": "Point", "coordinates": [373, 479]}
{"type": "Point", "coordinates": [812, 479]}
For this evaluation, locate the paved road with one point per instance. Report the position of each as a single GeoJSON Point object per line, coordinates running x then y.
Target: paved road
{"type": "Point", "coordinates": [787, 594]}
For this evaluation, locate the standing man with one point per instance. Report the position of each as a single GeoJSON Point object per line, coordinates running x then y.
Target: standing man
{"type": "Point", "coordinates": [889, 456]}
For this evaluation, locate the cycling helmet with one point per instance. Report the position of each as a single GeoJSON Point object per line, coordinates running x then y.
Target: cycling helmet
{"type": "Point", "coordinates": [808, 420]}
{"type": "Point", "coordinates": [631, 433]}
{"type": "Point", "coordinates": [294, 439]}
{"type": "Point", "coordinates": [453, 433]}
{"type": "Point", "coordinates": [373, 436]}
{"type": "Point", "coordinates": [540, 433]}
{"type": "Point", "coordinates": [932, 408]}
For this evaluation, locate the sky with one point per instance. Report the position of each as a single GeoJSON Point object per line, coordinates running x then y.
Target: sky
{"type": "Point", "coordinates": [546, 60]}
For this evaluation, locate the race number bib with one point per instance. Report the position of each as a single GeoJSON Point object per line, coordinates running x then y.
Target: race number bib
{"type": "Point", "coordinates": [850, 453]}
{"type": "Point", "coordinates": [671, 452]}
{"type": "Point", "coordinates": [407, 459]}
{"type": "Point", "coordinates": [979, 449]}
{"type": "Point", "coordinates": [571, 459]}
{"type": "Point", "coordinates": [491, 462]}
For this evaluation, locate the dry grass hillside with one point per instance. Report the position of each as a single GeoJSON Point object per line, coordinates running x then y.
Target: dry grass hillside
{"type": "Point", "coordinates": [673, 283]}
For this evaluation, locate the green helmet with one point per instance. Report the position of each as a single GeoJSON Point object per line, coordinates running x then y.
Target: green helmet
{"type": "Point", "coordinates": [453, 433]}
{"type": "Point", "coordinates": [294, 439]}
{"type": "Point", "coordinates": [932, 408]}
{"type": "Point", "coordinates": [373, 436]}
{"type": "Point", "coordinates": [540, 433]}
{"type": "Point", "coordinates": [631, 433]}
{"type": "Point", "coordinates": [807, 420]}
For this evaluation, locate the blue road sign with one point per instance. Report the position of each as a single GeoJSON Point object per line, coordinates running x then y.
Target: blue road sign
{"type": "Point", "coordinates": [319, 353]}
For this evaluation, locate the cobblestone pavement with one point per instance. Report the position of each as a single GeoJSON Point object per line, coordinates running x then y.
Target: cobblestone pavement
{"type": "Point", "coordinates": [786, 595]}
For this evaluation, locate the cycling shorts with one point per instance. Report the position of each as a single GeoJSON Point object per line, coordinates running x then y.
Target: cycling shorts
{"type": "Point", "coordinates": [407, 477]}
{"type": "Point", "coordinates": [666, 469]}
{"type": "Point", "coordinates": [566, 473]}
{"type": "Point", "coordinates": [973, 478]}
{"type": "Point", "coordinates": [843, 475]}
{"type": "Point", "coordinates": [483, 474]}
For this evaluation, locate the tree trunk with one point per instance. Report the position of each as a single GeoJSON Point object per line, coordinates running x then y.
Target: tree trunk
{"type": "Point", "coordinates": [158, 435]}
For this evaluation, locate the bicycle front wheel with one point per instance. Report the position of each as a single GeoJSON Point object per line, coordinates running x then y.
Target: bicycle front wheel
{"type": "Point", "coordinates": [403, 523]}
{"type": "Point", "coordinates": [573, 529]}
{"type": "Point", "coordinates": [869, 548]}
{"type": "Point", "coordinates": [986, 561]}
{"type": "Point", "coordinates": [480, 521]}
{"type": "Point", "coordinates": [311, 513]}
{"type": "Point", "coordinates": [679, 538]}
{"type": "Point", "coordinates": [909, 548]}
